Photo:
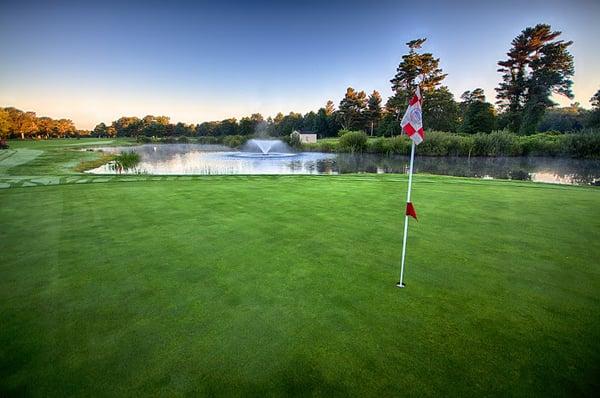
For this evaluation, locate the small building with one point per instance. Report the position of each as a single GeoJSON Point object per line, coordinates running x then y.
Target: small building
{"type": "Point", "coordinates": [306, 137]}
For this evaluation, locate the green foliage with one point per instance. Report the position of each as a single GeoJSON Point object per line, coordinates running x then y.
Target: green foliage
{"type": "Point", "coordinates": [537, 66]}
{"type": "Point", "coordinates": [294, 140]}
{"type": "Point", "coordinates": [414, 66]}
{"type": "Point", "coordinates": [566, 119]}
{"type": "Point", "coordinates": [439, 143]}
{"type": "Point", "coordinates": [478, 116]}
{"type": "Point", "coordinates": [353, 141]}
{"type": "Point", "coordinates": [585, 144]}
{"type": "Point", "coordinates": [542, 144]}
{"type": "Point", "coordinates": [351, 112]}
{"type": "Point", "coordinates": [497, 143]}
{"type": "Point", "coordinates": [235, 141]}
{"type": "Point", "coordinates": [126, 160]}
{"type": "Point", "coordinates": [440, 111]}
{"type": "Point", "coordinates": [142, 139]}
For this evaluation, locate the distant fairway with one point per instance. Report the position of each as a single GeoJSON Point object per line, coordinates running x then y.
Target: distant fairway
{"type": "Point", "coordinates": [285, 285]}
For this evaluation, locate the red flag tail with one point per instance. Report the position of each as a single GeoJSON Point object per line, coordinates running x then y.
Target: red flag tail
{"type": "Point", "coordinates": [410, 210]}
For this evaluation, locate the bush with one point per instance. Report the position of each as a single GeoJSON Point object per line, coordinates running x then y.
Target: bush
{"type": "Point", "coordinates": [207, 140]}
{"type": "Point", "coordinates": [543, 144]}
{"type": "Point", "coordinates": [353, 141]}
{"type": "Point", "coordinates": [126, 160]}
{"type": "Point", "coordinates": [143, 139]}
{"type": "Point", "coordinates": [583, 145]}
{"type": "Point", "coordinates": [293, 140]}
{"type": "Point", "coordinates": [169, 140]}
{"type": "Point", "coordinates": [327, 146]}
{"type": "Point", "coordinates": [183, 140]}
{"type": "Point", "coordinates": [439, 143]}
{"type": "Point", "coordinates": [234, 141]}
{"type": "Point", "coordinates": [3, 144]}
{"type": "Point", "coordinates": [497, 143]}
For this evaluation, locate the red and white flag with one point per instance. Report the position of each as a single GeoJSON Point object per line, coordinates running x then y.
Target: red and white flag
{"type": "Point", "coordinates": [412, 122]}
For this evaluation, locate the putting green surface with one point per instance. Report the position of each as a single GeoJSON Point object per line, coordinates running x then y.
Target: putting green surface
{"type": "Point", "coordinates": [285, 286]}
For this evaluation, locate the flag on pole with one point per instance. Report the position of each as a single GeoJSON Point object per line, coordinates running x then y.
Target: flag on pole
{"type": "Point", "coordinates": [410, 210]}
{"type": "Point", "coordinates": [412, 122]}
{"type": "Point", "coordinates": [412, 125]}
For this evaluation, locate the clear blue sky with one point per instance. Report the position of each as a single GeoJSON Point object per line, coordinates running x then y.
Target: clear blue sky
{"type": "Point", "coordinates": [94, 62]}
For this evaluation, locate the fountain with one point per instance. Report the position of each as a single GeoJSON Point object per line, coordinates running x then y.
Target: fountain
{"type": "Point", "coordinates": [264, 148]}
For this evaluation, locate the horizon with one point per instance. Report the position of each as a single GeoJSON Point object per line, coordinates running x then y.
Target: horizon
{"type": "Point", "coordinates": [94, 63]}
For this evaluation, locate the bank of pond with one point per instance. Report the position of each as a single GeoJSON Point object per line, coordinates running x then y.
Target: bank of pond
{"type": "Point", "coordinates": [584, 144]}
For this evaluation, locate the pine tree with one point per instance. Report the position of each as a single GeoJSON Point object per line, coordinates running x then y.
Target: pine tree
{"type": "Point", "coordinates": [373, 112]}
{"type": "Point", "coordinates": [537, 66]}
{"type": "Point", "coordinates": [415, 68]}
{"type": "Point", "coordinates": [478, 116]}
{"type": "Point", "coordinates": [351, 111]}
{"type": "Point", "coordinates": [595, 100]}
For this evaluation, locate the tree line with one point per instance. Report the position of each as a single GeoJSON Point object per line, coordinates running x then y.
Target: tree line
{"type": "Point", "coordinates": [24, 124]}
{"type": "Point", "coordinates": [538, 64]}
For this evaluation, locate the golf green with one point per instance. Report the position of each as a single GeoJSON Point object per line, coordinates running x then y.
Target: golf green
{"type": "Point", "coordinates": [286, 286]}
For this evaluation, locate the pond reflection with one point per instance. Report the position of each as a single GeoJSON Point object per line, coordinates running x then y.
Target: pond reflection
{"type": "Point", "coordinates": [172, 159]}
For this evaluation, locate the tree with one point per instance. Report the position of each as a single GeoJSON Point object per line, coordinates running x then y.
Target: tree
{"type": "Point", "coordinates": [351, 110]}
{"type": "Point", "coordinates": [128, 126]}
{"type": "Point", "coordinates": [64, 127]}
{"type": "Point", "coordinates": [329, 108]}
{"type": "Point", "coordinates": [5, 124]}
{"type": "Point", "coordinates": [593, 119]}
{"type": "Point", "coordinates": [309, 122]}
{"type": "Point", "coordinates": [45, 126]}
{"type": "Point", "coordinates": [101, 130]}
{"type": "Point", "coordinates": [440, 111]}
{"type": "Point", "coordinates": [373, 113]}
{"type": "Point", "coordinates": [424, 70]}
{"type": "Point", "coordinates": [595, 100]}
{"type": "Point", "coordinates": [415, 65]}
{"type": "Point", "coordinates": [249, 125]}
{"type": "Point", "coordinates": [24, 123]}
{"type": "Point", "coordinates": [478, 116]}
{"type": "Point", "coordinates": [537, 66]}
{"type": "Point", "coordinates": [111, 131]}
{"type": "Point", "coordinates": [469, 97]}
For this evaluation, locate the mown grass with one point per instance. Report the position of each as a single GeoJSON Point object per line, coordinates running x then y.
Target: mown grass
{"type": "Point", "coordinates": [285, 286]}
{"type": "Point", "coordinates": [57, 157]}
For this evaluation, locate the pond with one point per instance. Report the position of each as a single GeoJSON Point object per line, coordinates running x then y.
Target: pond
{"type": "Point", "coordinates": [165, 159]}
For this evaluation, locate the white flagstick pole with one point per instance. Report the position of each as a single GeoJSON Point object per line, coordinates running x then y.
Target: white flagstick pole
{"type": "Point", "coordinates": [410, 173]}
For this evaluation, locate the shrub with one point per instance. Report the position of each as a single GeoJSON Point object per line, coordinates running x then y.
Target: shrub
{"type": "Point", "coordinates": [543, 144]}
{"type": "Point", "coordinates": [3, 144]}
{"type": "Point", "coordinates": [379, 145]}
{"type": "Point", "coordinates": [234, 141]}
{"type": "Point", "coordinates": [183, 140]}
{"type": "Point", "coordinates": [353, 141]}
{"type": "Point", "coordinates": [169, 140]}
{"type": "Point", "coordinates": [327, 146]}
{"type": "Point", "coordinates": [583, 145]}
{"type": "Point", "coordinates": [126, 160]}
{"type": "Point", "coordinates": [497, 143]}
{"type": "Point", "coordinates": [143, 139]}
{"type": "Point", "coordinates": [293, 140]}
{"type": "Point", "coordinates": [208, 140]}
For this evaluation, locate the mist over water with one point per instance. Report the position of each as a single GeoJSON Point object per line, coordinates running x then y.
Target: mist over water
{"type": "Point", "coordinates": [190, 159]}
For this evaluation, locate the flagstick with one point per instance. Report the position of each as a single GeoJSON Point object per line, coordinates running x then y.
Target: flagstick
{"type": "Point", "coordinates": [410, 173]}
